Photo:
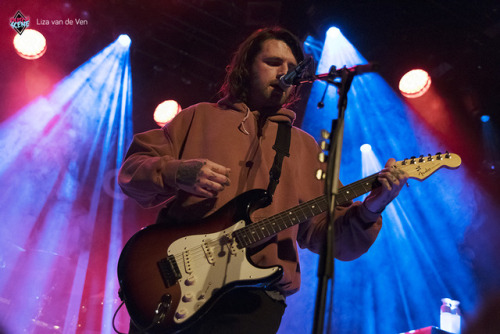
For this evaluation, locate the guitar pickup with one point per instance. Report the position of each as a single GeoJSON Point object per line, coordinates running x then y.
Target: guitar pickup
{"type": "Point", "coordinates": [169, 270]}
{"type": "Point", "coordinates": [208, 252]}
{"type": "Point", "coordinates": [187, 262]}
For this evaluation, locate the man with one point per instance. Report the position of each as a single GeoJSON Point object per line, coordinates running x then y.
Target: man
{"type": "Point", "coordinates": [210, 153]}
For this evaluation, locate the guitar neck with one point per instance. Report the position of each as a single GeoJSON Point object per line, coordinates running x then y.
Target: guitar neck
{"type": "Point", "coordinates": [256, 232]}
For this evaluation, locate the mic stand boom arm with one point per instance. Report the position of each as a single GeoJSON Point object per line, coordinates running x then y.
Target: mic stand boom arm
{"type": "Point", "coordinates": [326, 261]}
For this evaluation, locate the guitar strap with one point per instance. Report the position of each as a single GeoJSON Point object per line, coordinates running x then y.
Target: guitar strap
{"type": "Point", "coordinates": [282, 147]}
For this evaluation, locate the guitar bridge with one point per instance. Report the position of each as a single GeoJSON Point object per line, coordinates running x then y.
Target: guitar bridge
{"type": "Point", "coordinates": [169, 270]}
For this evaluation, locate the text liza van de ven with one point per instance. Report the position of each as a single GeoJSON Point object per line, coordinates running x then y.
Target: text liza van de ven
{"type": "Point", "coordinates": [67, 22]}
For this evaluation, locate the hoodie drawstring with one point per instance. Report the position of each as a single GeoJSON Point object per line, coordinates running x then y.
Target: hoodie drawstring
{"type": "Point", "coordinates": [242, 124]}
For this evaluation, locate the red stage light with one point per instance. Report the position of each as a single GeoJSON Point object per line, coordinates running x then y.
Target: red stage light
{"type": "Point", "coordinates": [30, 45]}
{"type": "Point", "coordinates": [166, 111]}
{"type": "Point", "coordinates": [415, 83]}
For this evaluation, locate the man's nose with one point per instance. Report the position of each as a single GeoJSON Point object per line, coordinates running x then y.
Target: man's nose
{"type": "Point", "coordinates": [283, 69]}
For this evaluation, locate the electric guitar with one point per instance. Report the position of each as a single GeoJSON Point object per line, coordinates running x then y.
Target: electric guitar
{"type": "Point", "coordinates": [171, 274]}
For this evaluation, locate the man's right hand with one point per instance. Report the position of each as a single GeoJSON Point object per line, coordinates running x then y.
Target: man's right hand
{"type": "Point", "coordinates": [202, 177]}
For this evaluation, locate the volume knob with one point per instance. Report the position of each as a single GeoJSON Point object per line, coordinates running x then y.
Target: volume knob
{"type": "Point", "coordinates": [190, 280]}
{"type": "Point", "coordinates": [187, 297]}
{"type": "Point", "coordinates": [181, 313]}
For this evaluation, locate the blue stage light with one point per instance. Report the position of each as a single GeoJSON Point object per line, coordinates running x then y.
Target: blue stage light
{"type": "Point", "coordinates": [417, 258]}
{"type": "Point", "coordinates": [365, 148]}
{"type": "Point", "coordinates": [57, 152]}
{"type": "Point", "coordinates": [333, 32]}
{"type": "Point", "coordinates": [124, 40]}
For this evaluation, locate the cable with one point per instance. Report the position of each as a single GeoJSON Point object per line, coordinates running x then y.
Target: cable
{"type": "Point", "coordinates": [114, 317]}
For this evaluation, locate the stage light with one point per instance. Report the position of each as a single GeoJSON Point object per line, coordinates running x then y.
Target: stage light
{"type": "Point", "coordinates": [365, 148]}
{"type": "Point", "coordinates": [485, 118]}
{"type": "Point", "coordinates": [415, 83]}
{"type": "Point", "coordinates": [166, 111]}
{"type": "Point", "coordinates": [74, 139]}
{"type": "Point", "coordinates": [333, 32]}
{"type": "Point", "coordinates": [30, 45]}
{"type": "Point", "coordinates": [405, 256]}
{"type": "Point", "coordinates": [124, 40]}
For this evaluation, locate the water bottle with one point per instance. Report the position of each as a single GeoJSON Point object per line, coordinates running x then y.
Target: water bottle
{"type": "Point", "coordinates": [450, 316]}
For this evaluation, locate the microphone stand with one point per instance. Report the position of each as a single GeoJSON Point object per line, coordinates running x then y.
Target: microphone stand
{"type": "Point", "coordinates": [326, 261]}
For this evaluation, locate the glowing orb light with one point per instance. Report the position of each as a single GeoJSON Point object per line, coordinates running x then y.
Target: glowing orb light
{"type": "Point", "coordinates": [30, 45]}
{"type": "Point", "coordinates": [415, 83]}
{"type": "Point", "coordinates": [124, 40]}
{"type": "Point", "coordinates": [365, 148]}
{"type": "Point", "coordinates": [485, 118]}
{"type": "Point", "coordinates": [333, 32]}
{"type": "Point", "coordinates": [166, 111]}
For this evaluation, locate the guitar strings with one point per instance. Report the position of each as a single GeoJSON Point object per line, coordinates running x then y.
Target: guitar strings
{"type": "Point", "coordinates": [196, 253]}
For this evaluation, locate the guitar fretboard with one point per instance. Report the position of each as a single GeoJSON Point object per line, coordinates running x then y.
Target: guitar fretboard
{"type": "Point", "coordinates": [265, 228]}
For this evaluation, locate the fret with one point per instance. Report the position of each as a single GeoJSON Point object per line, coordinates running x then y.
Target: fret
{"type": "Point", "coordinates": [280, 221]}
{"type": "Point", "coordinates": [308, 211]}
{"type": "Point", "coordinates": [276, 226]}
{"type": "Point", "coordinates": [352, 193]}
{"type": "Point", "coordinates": [242, 238]}
{"type": "Point", "coordinates": [367, 186]}
{"type": "Point", "coordinates": [312, 208]}
{"type": "Point", "coordinates": [300, 210]}
{"type": "Point", "coordinates": [283, 220]}
{"type": "Point", "coordinates": [248, 240]}
{"type": "Point", "coordinates": [262, 230]}
{"type": "Point", "coordinates": [265, 230]}
{"type": "Point", "coordinates": [258, 231]}
{"type": "Point", "coordinates": [290, 219]}
{"type": "Point", "coordinates": [322, 204]}
{"type": "Point", "coordinates": [361, 189]}
{"type": "Point", "coordinates": [251, 235]}
{"type": "Point", "coordinates": [343, 197]}
{"type": "Point", "coordinates": [315, 208]}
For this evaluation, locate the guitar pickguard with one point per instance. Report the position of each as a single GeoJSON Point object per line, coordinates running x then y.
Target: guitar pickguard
{"type": "Point", "coordinates": [208, 263]}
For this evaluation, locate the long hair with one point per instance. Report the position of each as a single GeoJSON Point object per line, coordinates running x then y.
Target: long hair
{"type": "Point", "coordinates": [237, 81]}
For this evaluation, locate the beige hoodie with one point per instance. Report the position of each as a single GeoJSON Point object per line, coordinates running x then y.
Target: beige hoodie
{"type": "Point", "coordinates": [229, 134]}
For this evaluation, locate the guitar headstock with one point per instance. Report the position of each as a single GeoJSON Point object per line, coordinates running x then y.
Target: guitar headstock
{"type": "Point", "coordinates": [424, 166]}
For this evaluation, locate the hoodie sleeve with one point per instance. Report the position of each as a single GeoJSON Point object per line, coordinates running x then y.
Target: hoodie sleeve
{"type": "Point", "coordinates": [356, 228]}
{"type": "Point", "coordinates": [148, 172]}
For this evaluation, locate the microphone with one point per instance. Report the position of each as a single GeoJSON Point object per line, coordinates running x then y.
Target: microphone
{"type": "Point", "coordinates": [293, 77]}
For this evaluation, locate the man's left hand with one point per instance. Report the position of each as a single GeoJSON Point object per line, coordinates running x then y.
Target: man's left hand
{"type": "Point", "coordinates": [392, 180]}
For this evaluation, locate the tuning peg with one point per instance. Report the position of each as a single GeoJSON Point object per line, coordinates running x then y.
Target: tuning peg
{"type": "Point", "coordinates": [447, 156]}
{"type": "Point", "coordinates": [438, 156]}
{"type": "Point", "coordinates": [324, 145]}
{"type": "Point", "coordinates": [429, 158]}
{"type": "Point", "coordinates": [320, 175]}
{"type": "Point", "coordinates": [325, 134]}
{"type": "Point", "coordinates": [412, 161]}
{"type": "Point", "coordinates": [322, 157]}
{"type": "Point", "coordinates": [421, 159]}
{"type": "Point", "coordinates": [404, 162]}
